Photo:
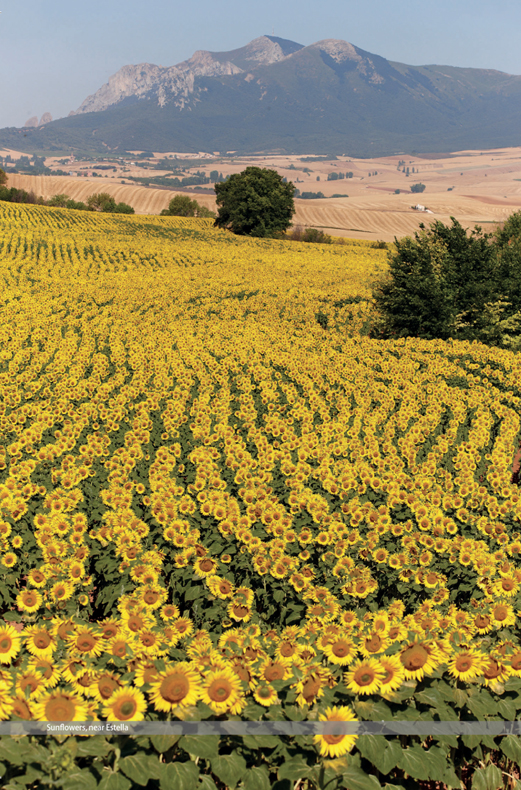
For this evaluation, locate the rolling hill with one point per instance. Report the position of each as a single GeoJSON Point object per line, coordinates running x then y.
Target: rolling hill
{"type": "Point", "coordinates": [277, 95]}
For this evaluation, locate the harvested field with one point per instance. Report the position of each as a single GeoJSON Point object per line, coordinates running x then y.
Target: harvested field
{"type": "Point", "coordinates": [476, 187]}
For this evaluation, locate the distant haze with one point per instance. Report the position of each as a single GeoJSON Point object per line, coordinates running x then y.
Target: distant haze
{"type": "Point", "coordinates": [53, 55]}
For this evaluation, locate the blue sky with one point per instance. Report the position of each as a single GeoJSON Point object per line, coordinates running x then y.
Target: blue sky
{"type": "Point", "coordinates": [54, 53]}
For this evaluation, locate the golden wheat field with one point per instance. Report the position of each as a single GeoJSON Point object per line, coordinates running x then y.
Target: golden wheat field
{"type": "Point", "coordinates": [220, 498]}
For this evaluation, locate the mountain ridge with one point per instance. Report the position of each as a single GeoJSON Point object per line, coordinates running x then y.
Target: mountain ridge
{"type": "Point", "coordinates": [275, 94]}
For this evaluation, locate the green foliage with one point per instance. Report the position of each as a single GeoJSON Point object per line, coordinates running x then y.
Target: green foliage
{"type": "Point", "coordinates": [3, 178]}
{"type": "Point", "coordinates": [184, 206]}
{"type": "Point", "coordinates": [255, 202]}
{"type": "Point", "coordinates": [58, 201]}
{"type": "Point", "coordinates": [418, 187]}
{"type": "Point", "coordinates": [102, 201]}
{"type": "Point", "coordinates": [442, 283]}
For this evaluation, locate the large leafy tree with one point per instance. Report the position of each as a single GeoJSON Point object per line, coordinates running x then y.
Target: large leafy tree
{"type": "Point", "coordinates": [3, 177]}
{"type": "Point", "coordinates": [256, 202]}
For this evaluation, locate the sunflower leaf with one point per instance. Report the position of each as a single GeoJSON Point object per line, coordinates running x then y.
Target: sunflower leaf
{"type": "Point", "coordinates": [511, 748]}
{"type": "Point", "coordinates": [178, 776]}
{"type": "Point", "coordinates": [229, 768]}
{"type": "Point", "coordinates": [257, 779]}
{"type": "Point", "coordinates": [207, 747]}
{"type": "Point", "coordinates": [294, 769]}
{"type": "Point", "coordinates": [140, 767]}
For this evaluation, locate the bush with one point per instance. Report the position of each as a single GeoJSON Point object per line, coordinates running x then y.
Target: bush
{"type": "Point", "coordinates": [102, 201]}
{"type": "Point", "coordinates": [255, 202]}
{"type": "Point", "coordinates": [418, 188]}
{"type": "Point", "coordinates": [316, 236]}
{"type": "Point", "coordinates": [438, 285]}
{"type": "Point", "coordinates": [184, 206]}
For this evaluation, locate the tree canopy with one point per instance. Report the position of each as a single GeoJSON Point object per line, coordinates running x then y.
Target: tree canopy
{"type": "Point", "coordinates": [255, 202]}
{"type": "Point", "coordinates": [447, 282]}
{"type": "Point", "coordinates": [3, 177]}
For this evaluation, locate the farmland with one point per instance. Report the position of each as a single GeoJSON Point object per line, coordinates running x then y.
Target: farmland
{"type": "Point", "coordinates": [219, 497]}
{"type": "Point", "coordinates": [476, 187]}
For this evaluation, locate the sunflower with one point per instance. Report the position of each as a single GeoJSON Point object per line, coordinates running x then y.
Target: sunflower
{"type": "Point", "coordinates": [483, 623]}
{"type": "Point", "coordinates": [28, 684]}
{"type": "Point", "coordinates": [372, 644]}
{"type": "Point", "coordinates": [340, 650]}
{"type": "Point", "coordinates": [146, 672]}
{"type": "Point", "coordinates": [333, 744]}
{"type": "Point", "coordinates": [420, 659]}
{"type": "Point", "coordinates": [120, 646]}
{"type": "Point", "coordinates": [502, 615]}
{"type": "Point", "coordinates": [265, 695]}
{"type": "Point", "coordinates": [467, 664]}
{"type": "Point", "coordinates": [85, 642]}
{"type": "Point", "coordinates": [137, 621]}
{"type": "Point", "coordinates": [36, 577]}
{"type": "Point", "coordinates": [178, 686]}
{"type": "Point", "coordinates": [205, 567]}
{"type": "Point", "coordinates": [104, 686]}
{"type": "Point", "coordinates": [47, 671]}
{"type": "Point", "coordinates": [62, 629]}
{"type": "Point", "coordinates": [84, 683]}
{"type": "Point", "coordinates": [153, 597]}
{"type": "Point", "coordinates": [274, 670]}
{"type": "Point", "coordinates": [149, 643]}
{"type": "Point", "coordinates": [72, 668]}
{"type": "Point", "coordinates": [9, 559]}
{"type": "Point", "coordinates": [239, 612]}
{"type": "Point", "coordinates": [222, 691]}
{"type": "Point", "coordinates": [183, 627]}
{"type": "Point", "coordinates": [220, 588]}
{"type": "Point", "coordinates": [312, 685]}
{"type": "Point", "coordinates": [60, 705]}
{"type": "Point", "coordinates": [62, 591]}
{"type": "Point", "coordinates": [21, 709]}
{"type": "Point", "coordinates": [514, 663]}
{"type": "Point", "coordinates": [126, 704]}
{"type": "Point", "coordinates": [394, 674]}
{"type": "Point", "coordinates": [169, 612]}
{"type": "Point", "coordinates": [495, 671]}
{"type": "Point", "coordinates": [9, 644]}
{"type": "Point", "coordinates": [365, 676]}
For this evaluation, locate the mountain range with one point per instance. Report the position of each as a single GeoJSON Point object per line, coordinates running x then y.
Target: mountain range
{"type": "Point", "coordinates": [275, 95]}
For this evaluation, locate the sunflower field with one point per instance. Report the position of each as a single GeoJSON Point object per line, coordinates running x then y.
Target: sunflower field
{"type": "Point", "coordinates": [220, 499]}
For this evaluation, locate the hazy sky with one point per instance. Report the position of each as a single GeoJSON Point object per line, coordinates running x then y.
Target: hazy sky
{"type": "Point", "coordinates": [54, 53]}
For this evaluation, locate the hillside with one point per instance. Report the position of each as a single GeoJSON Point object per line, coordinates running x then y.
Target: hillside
{"type": "Point", "coordinates": [275, 94]}
{"type": "Point", "coordinates": [222, 501]}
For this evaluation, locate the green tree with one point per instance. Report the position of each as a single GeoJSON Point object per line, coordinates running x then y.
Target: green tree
{"type": "Point", "coordinates": [418, 188]}
{"type": "Point", "coordinates": [183, 206]}
{"type": "Point", "coordinates": [3, 178]}
{"type": "Point", "coordinates": [58, 201]}
{"type": "Point", "coordinates": [255, 202]}
{"type": "Point", "coordinates": [439, 284]}
{"type": "Point", "coordinates": [102, 201]}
